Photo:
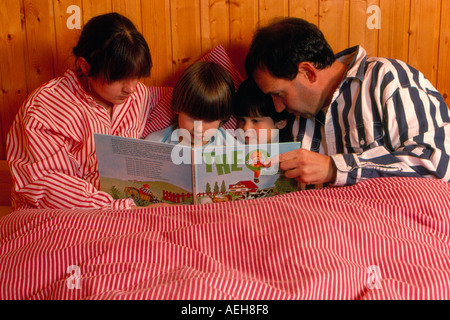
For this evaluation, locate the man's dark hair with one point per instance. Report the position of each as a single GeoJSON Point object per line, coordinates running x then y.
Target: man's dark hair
{"type": "Point", "coordinates": [282, 45]}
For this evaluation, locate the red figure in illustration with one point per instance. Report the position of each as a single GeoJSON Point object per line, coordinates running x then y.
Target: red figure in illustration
{"type": "Point", "coordinates": [256, 160]}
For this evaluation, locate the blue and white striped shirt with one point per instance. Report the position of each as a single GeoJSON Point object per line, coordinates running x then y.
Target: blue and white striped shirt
{"type": "Point", "coordinates": [385, 119]}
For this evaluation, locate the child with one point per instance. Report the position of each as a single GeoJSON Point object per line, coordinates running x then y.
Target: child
{"type": "Point", "coordinates": [257, 118]}
{"type": "Point", "coordinates": [50, 146]}
{"type": "Point", "coordinates": [202, 98]}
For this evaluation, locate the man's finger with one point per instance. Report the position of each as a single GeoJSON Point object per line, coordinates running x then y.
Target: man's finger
{"type": "Point", "coordinates": [272, 161]}
{"type": "Point", "coordinates": [289, 155]}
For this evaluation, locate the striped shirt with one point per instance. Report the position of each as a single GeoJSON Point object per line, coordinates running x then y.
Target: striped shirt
{"type": "Point", "coordinates": [385, 119]}
{"type": "Point", "coordinates": [50, 146]}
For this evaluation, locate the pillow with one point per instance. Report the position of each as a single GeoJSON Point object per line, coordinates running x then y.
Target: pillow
{"type": "Point", "coordinates": [162, 115]}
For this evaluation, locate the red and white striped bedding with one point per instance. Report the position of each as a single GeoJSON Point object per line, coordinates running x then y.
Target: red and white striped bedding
{"type": "Point", "coordinates": [385, 238]}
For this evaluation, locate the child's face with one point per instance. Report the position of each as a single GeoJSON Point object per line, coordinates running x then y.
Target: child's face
{"type": "Point", "coordinates": [113, 93]}
{"type": "Point", "coordinates": [199, 130]}
{"type": "Point", "coordinates": [259, 129]}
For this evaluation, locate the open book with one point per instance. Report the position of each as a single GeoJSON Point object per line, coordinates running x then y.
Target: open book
{"type": "Point", "coordinates": [151, 172]}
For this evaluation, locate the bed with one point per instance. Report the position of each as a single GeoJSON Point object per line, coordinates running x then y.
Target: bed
{"type": "Point", "coordinates": [385, 238]}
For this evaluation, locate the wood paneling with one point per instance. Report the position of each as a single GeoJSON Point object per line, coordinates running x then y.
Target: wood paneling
{"type": "Point", "coordinates": [272, 9]}
{"type": "Point", "coordinates": [305, 9]}
{"type": "Point", "coordinates": [13, 89]}
{"type": "Point", "coordinates": [131, 9]}
{"type": "Point", "coordinates": [93, 8]}
{"type": "Point", "coordinates": [443, 72]}
{"type": "Point", "coordinates": [5, 184]}
{"type": "Point", "coordinates": [36, 44]}
{"type": "Point", "coordinates": [66, 38]}
{"type": "Point", "coordinates": [424, 36]}
{"type": "Point", "coordinates": [186, 35]}
{"type": "Point", "coordinates": [394, 32]}
{"type": "Point", "coordinates": [334, 22]}
{"type": "Point", "coordinates": [244, 17]}
{"type": "Point", "coordinates": [359, 32]}
{"type": "Point", "coordinates": [40, 45]}
{"type": "Point", "coordinates": [157, 31]}
{"type": "Point", "coordinates": [215, 24]}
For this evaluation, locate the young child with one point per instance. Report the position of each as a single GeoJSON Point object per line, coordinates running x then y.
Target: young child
{"type": "Point", "coordinates": [257, 118]}
{"type": "Point", "coordinates": [202, 98]}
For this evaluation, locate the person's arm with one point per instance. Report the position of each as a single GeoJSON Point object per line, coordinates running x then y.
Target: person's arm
{"type": "Point", "coordinates": [416, 143]}
{"type": "Point", "coordinates": [47, 175]}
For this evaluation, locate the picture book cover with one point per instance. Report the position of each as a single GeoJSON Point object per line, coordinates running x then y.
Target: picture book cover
{"type": "Point", "coordinates": [151, 172]}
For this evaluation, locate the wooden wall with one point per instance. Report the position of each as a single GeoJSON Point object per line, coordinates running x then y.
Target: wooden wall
{"type": "Point", "coordinates": [36, 42]}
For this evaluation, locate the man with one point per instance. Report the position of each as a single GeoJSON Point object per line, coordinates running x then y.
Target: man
{"type": "Point", "coordinates": [357, 117]}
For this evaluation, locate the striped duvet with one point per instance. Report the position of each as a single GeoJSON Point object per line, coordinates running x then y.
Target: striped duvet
{"type": "Point", "coordinates": [385, 238]}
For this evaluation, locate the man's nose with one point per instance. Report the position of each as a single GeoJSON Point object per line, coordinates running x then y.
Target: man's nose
{"type": "Point", "coordinates": [278, 104]}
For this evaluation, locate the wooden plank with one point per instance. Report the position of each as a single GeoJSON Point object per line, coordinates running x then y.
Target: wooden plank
{"type": "Point", "coordinates": [186, 40]}
{"type": "Point", "coordinates": [360, 32]}
{"type": "Point", "coordinates": [272, 9]}
{"type": "Point", "coordinates": [443, 79]}
{"type": "Point", "coordinates": [244, 19]}
{"type": "Point", "coordinates": [5, 184]}
{"type": "Point", "coordinates": [130, 9]}
{"type": "Point", "coordinates": [40, 42]}
{"type": "Point", "coordinates": [334, 22]}
{"type": "Point", "coordinates": [66, 34]}
{"type": "Point", "coordinates": [424, 37]}
{"type": "Point", "coordinates": [305, 9]}
{"type": "Point", "coordinates": [215, 24]}
{"type": "Point", "coordinates": [156, 29]}
{"type": "Point", "coordinates": [394, 32]}
{"type": "Point", "coordinates": [92, 8]}
{"type": "Point", "coordinates": [13, 90]}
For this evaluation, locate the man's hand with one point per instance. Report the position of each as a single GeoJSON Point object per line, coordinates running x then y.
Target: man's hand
{"type": "Point", "coordinates": [306, 166]}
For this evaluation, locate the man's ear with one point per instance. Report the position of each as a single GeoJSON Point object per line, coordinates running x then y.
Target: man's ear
{"type": "Point", "coordinates": [83, 65]}
{"type": "Point", "coordinates": [281, 124]}
{"type": "Point", "coordinates": [308, 71]}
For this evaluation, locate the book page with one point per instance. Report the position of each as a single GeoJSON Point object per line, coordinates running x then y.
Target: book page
{"type": "Point", "coordinates": [228, 173]}
{"type": "Point", "coordinates": [144, 170]}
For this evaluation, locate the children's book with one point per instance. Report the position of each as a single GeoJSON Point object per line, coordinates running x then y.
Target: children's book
{"type": "Point", "coordinates": [152, 172]}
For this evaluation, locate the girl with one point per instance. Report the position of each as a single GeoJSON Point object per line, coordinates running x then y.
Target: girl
{"type": "Point", "coordinates": [257, 118]}
{"type": "Point", "coordinates": [50, 146]}
{"type": "Point", "coordinates": [202, 98]}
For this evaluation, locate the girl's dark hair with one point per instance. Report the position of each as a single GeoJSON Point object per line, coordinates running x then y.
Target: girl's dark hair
{"type": "Point", "coordinates": [114, 48]}
{"type": "Point", "coordinates": [252, 102]}
{"type": "Point", "coordinates": [205, 90]}
{"type": "Point", "coordinates": [281, 46]}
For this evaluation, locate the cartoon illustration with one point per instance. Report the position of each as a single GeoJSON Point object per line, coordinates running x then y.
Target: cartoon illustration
{"type": "Point", "coordinates": [144, 193]}
{"type": "Point", "coordinates": [256, 162]}
{"type": "Point", "coordinates": [243, 187]}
